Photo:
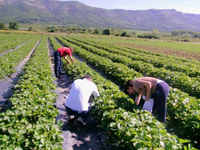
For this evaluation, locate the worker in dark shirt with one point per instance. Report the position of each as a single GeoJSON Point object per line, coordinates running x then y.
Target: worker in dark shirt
{"type": "Point", "coordinates": [62, 52]}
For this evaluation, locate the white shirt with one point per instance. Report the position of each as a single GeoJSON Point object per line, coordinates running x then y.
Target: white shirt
{"type": "Point", "coordinates": [80, 93]}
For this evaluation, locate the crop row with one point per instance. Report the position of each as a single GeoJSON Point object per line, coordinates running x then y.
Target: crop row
{"type": "Point", "coordinates": [134, 50]}
{"type": "Point", "coordinates": [126, 128]}
{"type": "Point", "coordinates": [9, 41]}
{"type": "Point", "coordinates": [11, 59]}
{"type": "Point", "coordinates": [175, 79]}
{"type": "Point", "coordinates": [189, 68]}
{"type": "Point", "coordinates": [30, 121]}
{"type": "Point", "coordinates": [182, 107]}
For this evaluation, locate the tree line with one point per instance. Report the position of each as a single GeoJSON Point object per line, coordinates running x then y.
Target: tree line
{"type": "Point", "coordinates": [12, 25]}
{"type": "Point", "coordinates": [186, 34]}
{"type": "Point", "coordinates": [155, 34]}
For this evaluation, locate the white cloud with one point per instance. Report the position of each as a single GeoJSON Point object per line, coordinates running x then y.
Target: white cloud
{"type": "Point", "coordinates": [186, 9]}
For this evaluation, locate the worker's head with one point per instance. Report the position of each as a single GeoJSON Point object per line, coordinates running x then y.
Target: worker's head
{"type": "Point", "coordinates": [88, 77]}
{"type": "Point", "coordinates": [128, 88]}
{"type": "Point", "coordinates": [71, 49]}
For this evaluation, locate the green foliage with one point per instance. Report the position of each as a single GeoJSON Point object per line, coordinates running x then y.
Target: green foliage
{"type": "Point", "coordinates": [10, 60]}
{"type": "Point", "coordinates": [2, 25]}
{"type": "Point", "coordinates": [30, 29]}
{"type": "Point", "coordinates": [178, 101]}
{"type": "Point", "coordinates": [185, 34]}
{"type": "Point", "coordinates": [148, 36]}
{"type": "Point", "coordinates": [127, 127]}
{"type": "Point", "coordinates": [106, 32]}
{"type": "Point", "coordinates": [13, 25]}
{"type": "Point", "coordinates": [30, 122]}
{"type": "Point", "coordinates": [97, 31]}
{"type": "Point", "coordinates": [10, 41]}
{"type": "Point", "coordinates": [155, 31]}
{"type": "Point", "coordinates": [124, 33]}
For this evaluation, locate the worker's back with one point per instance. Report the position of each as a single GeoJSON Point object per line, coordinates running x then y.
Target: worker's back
{"type": "Point", "coordinates": [80, 93]}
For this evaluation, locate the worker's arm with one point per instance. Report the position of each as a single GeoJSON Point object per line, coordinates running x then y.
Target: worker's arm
{"type": "Point", "coordinates": [138, 98]}
{"type": "Point", "coordinates": [95, 92]}
{"type": "Point", "coordinates": [71, 58]}
{"type": "Point", "coordinates": [67, 60]}
{"type": "Point", "coordinates": [147, 86]}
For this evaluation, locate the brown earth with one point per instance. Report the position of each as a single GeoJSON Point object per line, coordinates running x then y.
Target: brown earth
{"type": "Point", "coordinates": [165, 50]}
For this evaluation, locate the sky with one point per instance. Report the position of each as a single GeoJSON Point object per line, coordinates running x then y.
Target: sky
{"type": "Point", "coordinates": [185, 6]}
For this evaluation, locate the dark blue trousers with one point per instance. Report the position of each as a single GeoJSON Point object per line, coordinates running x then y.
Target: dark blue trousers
{"type": "Point", "coordinates": [83, 114]}
{"type": "Point", "coordinates": [160, 101]}
{"type": "Point", "coordinates": [58, 63]}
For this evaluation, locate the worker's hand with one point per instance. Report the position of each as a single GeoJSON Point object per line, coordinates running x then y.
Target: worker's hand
{"type": "Point", "coordinates": [137, 102]}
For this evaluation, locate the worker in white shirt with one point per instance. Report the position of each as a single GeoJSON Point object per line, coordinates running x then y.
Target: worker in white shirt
{"type": "Point", "coordinates": [77, 103]}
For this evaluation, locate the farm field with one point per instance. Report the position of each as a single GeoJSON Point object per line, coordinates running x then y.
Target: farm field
{"type": "Point", "coordinates": [168, 47]}
{"type": "Point", "coordinates": [175, 45]}
{"type": "Point", "coordinates": [30, 119]}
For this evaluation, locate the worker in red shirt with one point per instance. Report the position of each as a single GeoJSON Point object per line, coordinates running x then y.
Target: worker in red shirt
{"type": "Point", "coordinates": [62, 52]}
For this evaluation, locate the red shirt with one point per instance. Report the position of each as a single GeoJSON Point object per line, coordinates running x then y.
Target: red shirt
{"type": "Point", "coordinates": [64, 51]}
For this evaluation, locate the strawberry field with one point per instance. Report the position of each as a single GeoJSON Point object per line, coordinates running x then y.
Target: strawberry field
{"type": "Point", "coordinates": [29, 121]}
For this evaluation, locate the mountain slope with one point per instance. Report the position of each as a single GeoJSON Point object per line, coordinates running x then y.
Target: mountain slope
{"type": "Point", "coordinates": [75, 13]}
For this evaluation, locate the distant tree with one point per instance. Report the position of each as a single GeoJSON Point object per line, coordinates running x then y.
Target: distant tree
{"type": "Point", "coordinates": [175, 33]}
{"type": "Point", "coordinates": [116, 31]}
{"type": "Point", "coordinates": [84, 30]}
{"type": "Point", "coordinates": [56, 29]}
{"type": "Point", "coordinates": [148, 36]}
{"type": "Point", "coordinates": [124, 33]}
{"type": "Point", "coordinates": [2, 25]}
{"type": "Point", "coordinates": [106, 32]}
{"type": "Point", "coordinates": [97, 31]}
{"type": "Point", "coordinates": [155, 31]}
{"type": "Point", "coordinates": [185, 40]}
{"type": "Point", "coordinates": [30, 29]}
{"type": "Point", "coordinates": [90, 30]}
{"type": "Point", "coordinates": [13, 25]}
{"type": "Point", "coordinates": [187, 36]}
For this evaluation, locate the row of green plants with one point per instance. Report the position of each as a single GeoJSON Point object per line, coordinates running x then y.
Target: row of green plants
{"type": "Point", "coordinates": [175, 79]}
{"type": "Point", "coordinates": [29, 123]}
{"type": "Point", "coordinates": [126, 125]}
{"type": "Point", "coordinates": [10, 60]}
{"type": "Point", "coordinates": [158, 60]}
{"type": "Point", "coordinates": [183, 113]}
{"type": "Point", "coordinates": [162, 56]}
{"type": "Point", "coordinates": [9, 41]}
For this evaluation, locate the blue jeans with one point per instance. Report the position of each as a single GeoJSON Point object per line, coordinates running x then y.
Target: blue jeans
{"type": "Point", "coordinates": [160, 100]}
{"type": "Point", "coordinates": [58, 63]}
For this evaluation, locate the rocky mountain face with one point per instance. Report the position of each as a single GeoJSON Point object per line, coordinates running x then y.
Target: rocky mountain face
{"type": "Point", "coordinates": [76, 13]}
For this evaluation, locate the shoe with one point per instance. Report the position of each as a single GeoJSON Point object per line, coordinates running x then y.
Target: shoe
{"type": "Point", "coordinates": [80, 120]}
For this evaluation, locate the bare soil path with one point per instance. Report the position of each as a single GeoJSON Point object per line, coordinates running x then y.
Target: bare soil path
{"type": "Point", "coordinates": [76, 137]}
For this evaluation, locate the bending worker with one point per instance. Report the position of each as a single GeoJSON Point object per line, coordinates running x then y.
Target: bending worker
{"type": "Point", "coordinates": [62, 52]}
{"type": "Point", "coordinates": [77, 104]}
{"type": "Point", "coordinates": [151, 88]}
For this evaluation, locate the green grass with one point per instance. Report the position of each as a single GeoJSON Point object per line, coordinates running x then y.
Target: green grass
{"type": "Point", "coordinates": [175, 45]}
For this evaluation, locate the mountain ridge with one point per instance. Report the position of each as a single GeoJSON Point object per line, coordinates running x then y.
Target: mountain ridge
{"type": "Point", "coordinates": [76, 13]}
